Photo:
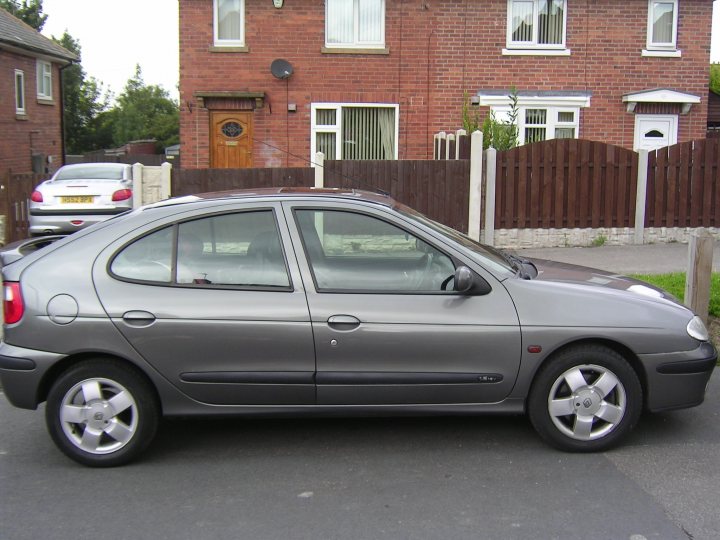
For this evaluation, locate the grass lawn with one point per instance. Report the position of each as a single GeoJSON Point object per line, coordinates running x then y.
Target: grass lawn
{"type": "Point", "coordinates": [675, 285]}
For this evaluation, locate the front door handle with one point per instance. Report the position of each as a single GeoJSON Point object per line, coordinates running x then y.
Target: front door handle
{"type": "Point", "coordinates": [138, 318]}
{"type": "Point", "coordinates": [343, 322]}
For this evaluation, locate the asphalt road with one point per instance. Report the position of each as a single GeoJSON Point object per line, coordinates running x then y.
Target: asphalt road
{"type": "Point", "coordinates": [416, 478]}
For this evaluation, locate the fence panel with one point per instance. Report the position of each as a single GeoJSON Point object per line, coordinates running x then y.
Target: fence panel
{"type": "Point", "coordinates": [438, 189]}
{"type": "Point", "coordinates": [15, 197]}
{"type": "Point", "coordinates": [566, 183]}
{"type": "Point", "coordinates": [191, 181]}
{"type": "Point", "coordinates": [683, 185]}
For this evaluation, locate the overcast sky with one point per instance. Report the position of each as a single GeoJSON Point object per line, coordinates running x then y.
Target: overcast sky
{"type": "Point", "coordinates": [115, 36]}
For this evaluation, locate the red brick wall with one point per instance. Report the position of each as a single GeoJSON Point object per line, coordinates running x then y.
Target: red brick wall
{"type": "Point", "coordinates": [38, 131]}
{"type": "Point", "coordinates": [437, 49]}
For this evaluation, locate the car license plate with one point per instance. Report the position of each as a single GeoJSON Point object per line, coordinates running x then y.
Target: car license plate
{"type": "Point", "coordinates": [77, 199]}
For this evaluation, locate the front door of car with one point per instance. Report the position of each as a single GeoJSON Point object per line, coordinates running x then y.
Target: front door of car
{"type": "Point", "coordinates": [215, 305]}
{"type": "Point", "coordinates": [385, 330]}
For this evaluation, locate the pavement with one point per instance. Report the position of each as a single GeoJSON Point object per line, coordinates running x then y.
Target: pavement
{"type": "Point", "coordinates": [632, 259]}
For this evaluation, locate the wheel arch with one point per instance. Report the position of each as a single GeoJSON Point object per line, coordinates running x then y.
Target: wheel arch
{"type": "Point", "coordinates": [72, 360]}
{"type": "Point", "coordinates": [623, 350]}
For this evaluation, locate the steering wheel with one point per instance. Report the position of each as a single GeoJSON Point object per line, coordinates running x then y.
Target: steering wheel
{"type": "Point", "coordinates": [446, 281]}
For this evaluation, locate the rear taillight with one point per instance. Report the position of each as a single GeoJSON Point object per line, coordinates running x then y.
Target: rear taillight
{"type": "Point", "coordinates": [36, 196]}
{"type": "Point", "coordinates": [13, 305]}
{"type": "Point", "coordinates": [122, 195]}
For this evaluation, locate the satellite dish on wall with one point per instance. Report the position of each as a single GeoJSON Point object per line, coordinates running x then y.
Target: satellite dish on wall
{"type": "Point", "coordinates": [281, 69]}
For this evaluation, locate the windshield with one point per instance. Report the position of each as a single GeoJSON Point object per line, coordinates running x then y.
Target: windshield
{"type": "Point", "coordinates": [90, 173]}
{"type": "Point", "coordinates": [493, 258]}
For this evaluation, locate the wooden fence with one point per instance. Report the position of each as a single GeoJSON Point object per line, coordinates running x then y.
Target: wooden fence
{"type": "Point", "coordinates": [14, 197]}
{"type": "Point", "coordinates": [438, 189]}
{"type": "Point", "coordinates": [682, 188]}
{"type": "Point", "coordinates": [566, 183]}
{"type": "Point", "coordinates": [190, 181]}
{"type": "Point", "coordinates": [560, 184]}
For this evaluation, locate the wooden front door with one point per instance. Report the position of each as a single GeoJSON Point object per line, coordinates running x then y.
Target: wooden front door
{"type": "Point", "coordinates": [230, 140]}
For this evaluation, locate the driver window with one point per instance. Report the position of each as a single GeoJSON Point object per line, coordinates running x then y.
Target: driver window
{"type": "Point", "coordinates": [357, 252]}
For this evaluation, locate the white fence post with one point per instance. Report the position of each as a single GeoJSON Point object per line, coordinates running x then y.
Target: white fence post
{"type": "Point", "coordinates": [137, 173]}
{"type": "Point", "coordinates": [699, 273]}
{"type": "Point", "coordinates": [491, 157]}
{"type": "Point", "coordinates": [459, 134]}
{"type": "Point", "coordinates": [439, 138]}
{"type": "Point", "coordinates": [475, 199]}
{"type": "Point", "coordinates": [319, 170]}
{"type": "Point", "coordinates": [450, 138]}
{"type": "Point", "coordinates": [165, 180]}
{"type": "Point", "coordinates": [641, 196]}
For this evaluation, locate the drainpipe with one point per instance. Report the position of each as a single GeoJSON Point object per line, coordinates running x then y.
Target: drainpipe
{"type": "Point", "coordinates": [62, 112]}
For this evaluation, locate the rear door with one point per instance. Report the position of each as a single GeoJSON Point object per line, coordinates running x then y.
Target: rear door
{"type": "Point", "coordinates": [385, 330]}
{"type": "Point", "coordinates": [215, 303]}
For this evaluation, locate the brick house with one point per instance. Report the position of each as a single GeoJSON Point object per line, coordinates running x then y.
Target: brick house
{"type": "Point", "coordinates": [31, 109]}
{"type": "Point", "coordinates": [376, 79]}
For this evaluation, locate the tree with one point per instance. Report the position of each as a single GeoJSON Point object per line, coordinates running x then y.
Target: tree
{"type": "Point", "coordinates": [83, 104]}
{"type": "Point", "coordinates": [715, 78]}
{"type": "Point", "coordinates": [28, 11]}
{"type": "Point", "coordinates": [145, 112]}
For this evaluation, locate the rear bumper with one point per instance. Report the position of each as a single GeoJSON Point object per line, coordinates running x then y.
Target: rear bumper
{"type": "Point", "coordinates": [60, 221]}
{"type": "Point", "coordinates": [678, 380]}
{"type": "Point", "coordinates": [21, 374]}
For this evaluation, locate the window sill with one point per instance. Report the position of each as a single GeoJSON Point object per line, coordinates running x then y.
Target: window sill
{"type": "Point", "coordinates": [662, 54]}
{"type": "Point", "coordinates": [354, 50]}
{"type": "Point", "coordinates": [536, 52]}
{"type": "Point", "coordinates": [228, 49]}
{"type": "Point", "coordinates": [45, 101]}
{"type": "Point", "coordinates": [23, 117]}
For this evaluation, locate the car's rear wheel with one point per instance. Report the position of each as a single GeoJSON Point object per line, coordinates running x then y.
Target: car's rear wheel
{"type": "Point", "coordinates": [586, 399]}
{"type": "Point", "coordinates": [102, 413]}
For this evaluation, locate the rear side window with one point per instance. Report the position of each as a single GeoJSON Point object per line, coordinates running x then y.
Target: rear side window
{"type": "Point", "coordinates": [239, 250]}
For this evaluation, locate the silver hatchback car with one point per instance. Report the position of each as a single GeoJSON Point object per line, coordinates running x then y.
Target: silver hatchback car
{"type": "Point", "coordinates": [301, 301]}
{"type": "Point", "coordinates": [80, 195]}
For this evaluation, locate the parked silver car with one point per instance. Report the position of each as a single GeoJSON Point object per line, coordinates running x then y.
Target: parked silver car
{"type": "Point", "coordinates": [79, 195]}
{"type": "Point", "coordinates": [298, 301]}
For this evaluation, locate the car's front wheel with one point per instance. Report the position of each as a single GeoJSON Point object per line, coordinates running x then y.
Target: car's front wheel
{"type": "Point", "coordinates": [585, 399]}
{"type": "Point", "coordinates": [101, 413]}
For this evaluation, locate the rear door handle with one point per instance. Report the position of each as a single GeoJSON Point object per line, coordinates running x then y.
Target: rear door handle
{"type": "Point", "coordinates": [343, 322]}
{"type": "Point", "coordinates": [138, 318]}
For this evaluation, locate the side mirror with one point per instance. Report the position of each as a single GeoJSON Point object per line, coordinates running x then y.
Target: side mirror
{"type": "Point", "coordinates": [467, 282]}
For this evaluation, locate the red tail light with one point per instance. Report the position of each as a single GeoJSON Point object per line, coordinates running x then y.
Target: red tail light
{"type": "Point", "coordinates": [122, 195]}
{"type": "Point", "coordinates": [36, 196]}
{"type": "Point", "coordinates": [13, 305]}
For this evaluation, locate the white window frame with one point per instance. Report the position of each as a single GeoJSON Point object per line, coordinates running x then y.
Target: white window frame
{"type": "Point", "coordinates": [356, 44]}
{"type": "Point", "coordinates": [219, 42]}
{"type": "Point", "coordinates": [19, 92]}
{"type": "Point", "coordinates": [533, 47]}
{"type": "Point", "coordinates": [500, 106]}
{"type": "Point", "coordinates": [662, 47]}
{"type": "Point", "coordinates": [337, 129]}
{"type": "Point", "coordinates": [44, 79]}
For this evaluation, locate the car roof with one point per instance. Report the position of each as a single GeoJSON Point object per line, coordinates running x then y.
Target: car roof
{"type": "Point", "coordinates": [283, 192]}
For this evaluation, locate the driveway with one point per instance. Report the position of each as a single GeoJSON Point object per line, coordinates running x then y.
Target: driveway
{"type": "Point", "coordinates": [411, 478]}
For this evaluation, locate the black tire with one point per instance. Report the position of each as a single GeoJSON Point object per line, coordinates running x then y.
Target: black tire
{"type": "Point", "coordinates": [102, 413]}
{"type": "Point", "coordinates": [600, 413]}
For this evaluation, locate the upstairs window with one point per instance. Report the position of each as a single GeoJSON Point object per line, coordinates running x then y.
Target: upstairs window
{"type": "Point", "coordinates": [44, 80]}
{"type": "Point", "coordinates": [662, 25]}
{"type": "Point", "coordinates": [536, 24]}
{"type": "Point", "coordinates": [355, 23]}
{"type": "Point", "coordinates": [19, 92]}
{"type": "Point", "coordinates": [229, 23]}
